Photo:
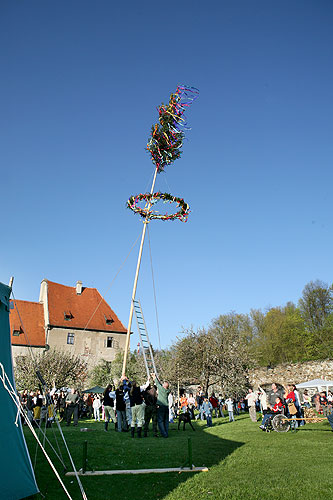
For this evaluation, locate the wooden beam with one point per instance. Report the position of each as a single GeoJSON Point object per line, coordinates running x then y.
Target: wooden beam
{"type": "Point", "coordinates": [138, 471]}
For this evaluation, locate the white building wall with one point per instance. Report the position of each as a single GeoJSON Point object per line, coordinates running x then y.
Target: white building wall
{"type": "Point", "coordinates": [90, 345]}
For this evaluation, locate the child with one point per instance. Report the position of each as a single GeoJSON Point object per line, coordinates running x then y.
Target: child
{"type": "Point", "coordinates": [207, 408]}
{"type": "Point", "coordinates": [230, 407]}
{"type": "Point", "coordinates": [96, 406]}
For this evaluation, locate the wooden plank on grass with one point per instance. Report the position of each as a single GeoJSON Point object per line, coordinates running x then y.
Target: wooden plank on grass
{"type": "Point", "coordinates": [138, 471]}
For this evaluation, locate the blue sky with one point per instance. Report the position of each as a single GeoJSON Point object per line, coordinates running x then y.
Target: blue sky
{"type": "Point", "coordinates": [80, 84]}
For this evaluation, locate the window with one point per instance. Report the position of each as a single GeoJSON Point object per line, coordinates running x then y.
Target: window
{"type": "Point", "coordinates": [17, 333]}
{"type": "Point", "coordinates": [68, 315]}
{"type": "Point", "coordinates": [70, 338]}
{"type": "Point", "coordinates": [109, 342]}
{"type": "Point", "coordinates": [108, 320]}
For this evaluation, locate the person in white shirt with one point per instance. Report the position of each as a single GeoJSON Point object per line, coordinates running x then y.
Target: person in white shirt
{"type": "Point", "coordinates": [251, 402]}
{"type": "Point", "coordinates": [96, 406]}
{"type": "Point", "coordinates": [230, 407]}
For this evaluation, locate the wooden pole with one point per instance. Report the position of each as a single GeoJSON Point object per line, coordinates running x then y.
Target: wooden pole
{"type": "Point", "coordinates": [84, 457]}
{"type": "Point", "coordinates": [145, 222]}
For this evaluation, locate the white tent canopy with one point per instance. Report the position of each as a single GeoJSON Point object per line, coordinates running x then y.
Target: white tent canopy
{"type": "Point", "coordinates": [318, 383]}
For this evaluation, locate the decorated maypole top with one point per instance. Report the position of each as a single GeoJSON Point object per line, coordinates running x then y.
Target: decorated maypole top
{"type": "Point", "coordinates": [164, 146]}
{"type": "Point", "coordinates": [168, 134]}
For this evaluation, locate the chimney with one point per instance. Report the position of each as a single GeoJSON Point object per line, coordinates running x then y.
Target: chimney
{"type": "Point", "coordinates": [78, 287]}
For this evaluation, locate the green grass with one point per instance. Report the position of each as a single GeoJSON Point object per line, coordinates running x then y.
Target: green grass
{"type": "Point", "coordinates": [243, 462]}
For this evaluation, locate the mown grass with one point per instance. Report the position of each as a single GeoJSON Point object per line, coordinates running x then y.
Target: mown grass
{"type": "Point", "coordinates": [243, 462]}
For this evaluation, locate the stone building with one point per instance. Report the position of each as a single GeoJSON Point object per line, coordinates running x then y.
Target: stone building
{"type": "Point", "coordinates": [75, 319]}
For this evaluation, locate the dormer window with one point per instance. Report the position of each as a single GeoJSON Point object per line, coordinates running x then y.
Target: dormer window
{"type": "Point", "coordinates": [108, 320]}
{"type": "Point", "coordinates": [68, 316]}
{"type": "Point", "coordinates": [17, 333]}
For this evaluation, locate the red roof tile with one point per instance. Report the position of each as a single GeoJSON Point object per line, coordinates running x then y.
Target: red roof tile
{"type": "Point", "coordinates": [88, 311]}
{"type": "Point", "coordinates": [28, 318]}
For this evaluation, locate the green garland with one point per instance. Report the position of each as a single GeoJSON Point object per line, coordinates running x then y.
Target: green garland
{"type": "Point", "coordinates": [151, 199]}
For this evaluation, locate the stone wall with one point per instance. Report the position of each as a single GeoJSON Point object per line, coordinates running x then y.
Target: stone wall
{"type": "Point", "coordinates": [292, 373]}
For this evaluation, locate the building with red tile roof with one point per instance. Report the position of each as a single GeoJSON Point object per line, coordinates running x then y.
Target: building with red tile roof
{"type": "Point", "coordinates": [73, 319]}
{"type": "Point", "coordinates": [27, 317]}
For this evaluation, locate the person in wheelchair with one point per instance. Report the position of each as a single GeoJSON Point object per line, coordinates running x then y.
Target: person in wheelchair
{"type": "Point", "coordinates": [277, 409]}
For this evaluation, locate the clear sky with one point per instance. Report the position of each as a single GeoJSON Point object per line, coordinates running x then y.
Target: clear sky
{"type": "Point", "coordinates": [80, 83]}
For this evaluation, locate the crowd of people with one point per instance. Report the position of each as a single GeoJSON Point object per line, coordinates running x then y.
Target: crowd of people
{"type": "Point", "coordinates": [131, 407]}
{"type": "Point", "coordinates": [287, 401]}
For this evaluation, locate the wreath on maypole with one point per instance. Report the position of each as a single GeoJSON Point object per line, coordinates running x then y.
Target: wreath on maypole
{"type": "Point", "coordinates": [164, 146]}
{"type": "Point", "coordinates": [151, 199]}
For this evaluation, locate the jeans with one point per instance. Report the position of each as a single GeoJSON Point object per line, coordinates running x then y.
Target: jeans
{"type": "Point", "coordinates": [209, 421]}
{"type": "Point", "coordinates": [231, 416]}
{"type": "Point", "coordinates": [96, 414]}
{"type": "Point", "coordinates": [121, 420]}
{"type": "Point", "coordinates": [128, 413]}
{"type": "Point", "coordinates": [163, 420]}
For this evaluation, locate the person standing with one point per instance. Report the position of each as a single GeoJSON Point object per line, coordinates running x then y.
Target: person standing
{"type": "Point", "coordinates": [171, 407]}
{"type": "Point", "coordinates": [221, 404]}
{"type": "Point", "coordinates": [108, 402]}
{"type": "Point", "coordinates": [199, 400]}
{"type": "Point", "coordinates": [162, 406]}
{"type": "Point", "coordinates": [251, 402]}
{"type": "Point", "coordinates": [191, 405]}
{"type": "Point", "coordinates": [207, 409]}
{"type": "Point", "coordinates": [121, 409]}
{"type": "Point", "coordinates": [215, 404]}
{"type": "Point", "coordinates": [150, 399]}
{"type": "Point", "coordinates": [230, 407]}
{"type": "Point", "coordinates": [72, 407]}
{"type": "Point", "coordinates": [96, 406]}
{"type": "Point", "coordinates": [306, 399]}
{"type": "Point", "coordinates": [61, 406]}
{"type": "Point", "coordinates": [275, 393]}
{"type": "Point", "coordinates": [137, 406]}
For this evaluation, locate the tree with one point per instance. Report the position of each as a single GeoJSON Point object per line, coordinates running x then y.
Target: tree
{"type": "Point", "coordinates": [231, 337]}
{"type": "Point", "coordinates": [193, 358]}
{"type": "Point", "coordinates": [58, 369]}
{"type": "Point", "coordinates": [282, 338]}
{"type": "Point", "coordinates": [219, 355]}
{"type": "Point", "coordinates": [316, 304]}
{"type": "Point", "coordinates": [101, 374]}
{"type": "Point", "coordinates": [135, 369]}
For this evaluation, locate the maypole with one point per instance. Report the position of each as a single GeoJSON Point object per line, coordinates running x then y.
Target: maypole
{"type": "Point", "coordinates": [165, 147]}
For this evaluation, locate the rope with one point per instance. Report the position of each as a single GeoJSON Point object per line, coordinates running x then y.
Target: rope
{"type": "Point", "coordinates": [11, 391]}
{"type": "Point", "coordinates": [120, 268]}
{"type": "Point", "coordinates": [152, 274]}
{"type": "Point", "coordinates": [84, 496]}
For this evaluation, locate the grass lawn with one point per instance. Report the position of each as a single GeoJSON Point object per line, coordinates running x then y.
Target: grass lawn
{"type": "Point", "coordinates": [243, 462]}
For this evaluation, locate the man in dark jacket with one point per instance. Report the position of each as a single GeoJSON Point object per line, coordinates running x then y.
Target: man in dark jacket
{"type": "Point", "coordinates": [150, 399]}
{"type": "Point", "coordinates": [72, 407]}
{"type": "Point", "coordinates": [121, 410]}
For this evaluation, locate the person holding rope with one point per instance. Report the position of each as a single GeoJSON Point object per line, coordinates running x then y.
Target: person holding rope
{"type": "Point", "coordinates": [162, 406]}
{"type": "Point", "coordinates": [136, 401]}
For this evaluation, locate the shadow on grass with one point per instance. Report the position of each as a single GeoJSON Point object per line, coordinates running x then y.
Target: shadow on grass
{"type": "Point", "coordinates": [116, 451]}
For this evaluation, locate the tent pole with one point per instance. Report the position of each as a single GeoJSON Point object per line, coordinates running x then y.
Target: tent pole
{"type": "Point", "coordinates": [145, 222]}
